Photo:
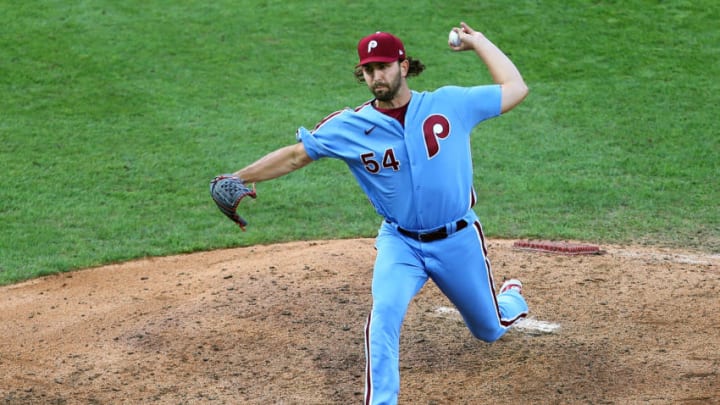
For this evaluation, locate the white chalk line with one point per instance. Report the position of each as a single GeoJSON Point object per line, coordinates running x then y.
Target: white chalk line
{"type": "Point", "coordinates": [530, 325]}
{"type": "Point", "coordinates": [708, 260]}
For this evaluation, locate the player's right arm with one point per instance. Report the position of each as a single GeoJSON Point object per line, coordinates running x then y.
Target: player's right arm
{"type": "Point", "coordinates": [501, 68]}
{"type": "Point", "coordinates": [276, 164]}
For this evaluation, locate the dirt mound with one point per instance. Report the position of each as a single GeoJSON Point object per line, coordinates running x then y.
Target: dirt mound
{"type": "Point", "coordinates": [284, 324]}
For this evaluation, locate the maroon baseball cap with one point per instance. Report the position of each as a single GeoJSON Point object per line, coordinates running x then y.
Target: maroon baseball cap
{"type": "Point", "coordinates": [380, 47]}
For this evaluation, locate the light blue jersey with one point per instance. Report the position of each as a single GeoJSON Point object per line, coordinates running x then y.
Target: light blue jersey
{"type": "Point", "coordinates": [420, 176]}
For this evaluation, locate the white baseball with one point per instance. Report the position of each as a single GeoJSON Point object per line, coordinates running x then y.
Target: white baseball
{"type": "Point", "coordinates": [454, 38]}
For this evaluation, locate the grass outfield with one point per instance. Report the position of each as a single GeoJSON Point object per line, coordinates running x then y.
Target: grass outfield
{"type": "Point", "coordinates": [115, 115]}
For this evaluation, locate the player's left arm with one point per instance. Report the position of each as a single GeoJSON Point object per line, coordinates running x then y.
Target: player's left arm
{"type": "Point", "coordinates": [501, 68]}
{"type": "Point", "coordinates": [275, 164]}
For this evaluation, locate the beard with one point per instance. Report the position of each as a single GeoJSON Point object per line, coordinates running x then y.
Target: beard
{"type": "Point", "coordinates": [386, 91]}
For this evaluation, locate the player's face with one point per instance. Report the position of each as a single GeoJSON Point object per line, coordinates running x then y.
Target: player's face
{"type": "Point", "coordinates": [383, 79]}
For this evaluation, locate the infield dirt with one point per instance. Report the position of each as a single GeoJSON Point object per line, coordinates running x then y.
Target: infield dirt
{"type": "Point", "coordinates": [283, 324]}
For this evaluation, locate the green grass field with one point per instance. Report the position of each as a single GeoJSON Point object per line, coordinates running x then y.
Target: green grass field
{"type": "Point", "coordinates": [114, 116]}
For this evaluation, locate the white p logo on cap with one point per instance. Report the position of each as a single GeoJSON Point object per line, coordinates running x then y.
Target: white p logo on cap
{"type": "Point", "coordinates": [372, 44]}
{"type": "Point", "coordinates": [380, 47]}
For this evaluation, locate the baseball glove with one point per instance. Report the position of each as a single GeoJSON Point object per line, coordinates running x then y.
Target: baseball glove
{"type": "Point", "coordinates": [227, 190]}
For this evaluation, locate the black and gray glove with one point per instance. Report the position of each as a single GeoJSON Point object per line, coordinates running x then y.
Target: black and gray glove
{"type": "Point", "coordinates": [227, 190]}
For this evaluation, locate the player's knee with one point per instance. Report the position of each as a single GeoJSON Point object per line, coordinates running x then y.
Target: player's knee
{"type": "Point", "coordinates": [386, 312]}
{"type": "Point", "coordinates": [488, 335]}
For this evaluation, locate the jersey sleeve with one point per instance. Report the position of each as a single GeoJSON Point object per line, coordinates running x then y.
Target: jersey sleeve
{"type": "Point", "coordinates": [321, 141]}
{"type": "Point", "coordinates": [313, 148]}
{"type": "Point", "coordinates": [331, 138]}
{"type": "Point", "coordinates": [476, 104]}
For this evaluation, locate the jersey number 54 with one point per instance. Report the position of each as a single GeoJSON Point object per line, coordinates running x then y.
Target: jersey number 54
{"type": "Point", "coordinates": [374, 166]}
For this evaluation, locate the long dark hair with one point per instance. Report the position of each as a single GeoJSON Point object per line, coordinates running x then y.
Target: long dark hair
{"type": "Point", "coordinates": [416, 67]}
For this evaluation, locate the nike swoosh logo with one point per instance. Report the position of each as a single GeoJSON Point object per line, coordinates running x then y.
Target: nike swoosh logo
{"type": "Point", "coordinates": [367, 131]}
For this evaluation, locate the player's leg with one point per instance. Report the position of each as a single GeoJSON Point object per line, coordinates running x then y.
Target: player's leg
{"type": "Point", "coordinates": [397, 277]}
{"type": "Point", "coordinates": [462, 271]}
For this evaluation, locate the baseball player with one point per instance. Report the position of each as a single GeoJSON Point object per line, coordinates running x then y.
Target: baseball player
{"type": "Point", "coordinates": [410, 153]}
